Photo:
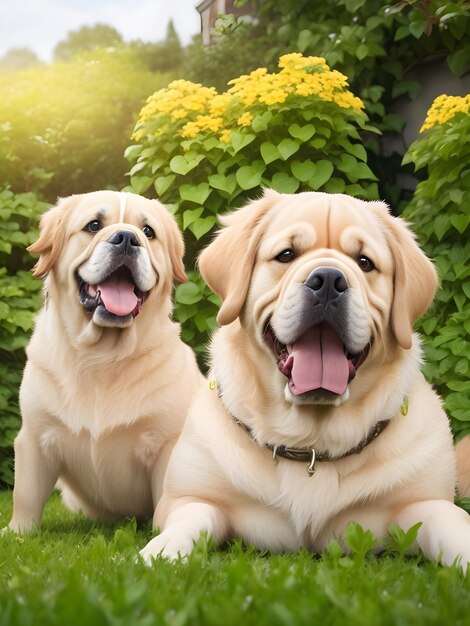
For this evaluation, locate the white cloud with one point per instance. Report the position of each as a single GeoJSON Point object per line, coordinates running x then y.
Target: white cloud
{"type": "Point", "coordinates": [41, 24]}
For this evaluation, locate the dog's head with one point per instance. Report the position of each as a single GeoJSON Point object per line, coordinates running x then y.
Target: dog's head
{"type": "Point", "coordinates": [319, 281]}
{"type": "Point", "coordinates": [107, 255]}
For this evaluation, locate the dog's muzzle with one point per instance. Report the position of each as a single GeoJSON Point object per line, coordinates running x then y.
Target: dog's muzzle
{"type": "Point", "coordinates": [315, 352]}
{"type": "Point", "coordinates": [115, 297]}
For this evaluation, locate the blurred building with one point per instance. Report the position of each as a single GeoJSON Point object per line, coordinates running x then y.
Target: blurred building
{"type": "Point", "coordinates": [209, 10]}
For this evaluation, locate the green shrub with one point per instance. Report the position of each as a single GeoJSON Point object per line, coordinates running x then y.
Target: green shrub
{"type": "Point", "coordinates": [202, 153]}
{"type": "Point", "coordinates": [376, 44]}
{"type": "Point", "coordinates": [440, 211]}
{"type": "Point", "coordinates": [20, 298]}
{"type": "Point", "coordinates": [64, 127]}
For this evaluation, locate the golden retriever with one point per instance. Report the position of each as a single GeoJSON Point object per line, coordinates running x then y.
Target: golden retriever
{"type": "Point", "coordinates": [317, 413]}
{"type": "Point", "coordinates": [108, 380]}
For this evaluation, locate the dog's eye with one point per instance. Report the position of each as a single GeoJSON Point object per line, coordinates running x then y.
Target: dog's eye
{"type": "Point", "coordinates": [286, 256]}
{"type": "Point", "coordinates": [365, 264]}
{"type": "Point", "coordinates": [148, 232]}
{"type": "Point", "coordinates": [94, 226]}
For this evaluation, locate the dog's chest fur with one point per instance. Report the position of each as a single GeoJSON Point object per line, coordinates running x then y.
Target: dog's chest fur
{"type": "Point", "coordinates": [113, 471]}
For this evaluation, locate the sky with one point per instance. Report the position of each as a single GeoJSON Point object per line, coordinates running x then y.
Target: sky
{"type": "Point", "coordinates": [41, 24]}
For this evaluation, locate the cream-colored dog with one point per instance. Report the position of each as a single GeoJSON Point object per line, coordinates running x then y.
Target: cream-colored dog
{"type": "Point", "coordinates": [318, 414]}
{"type": "Point", "coordinates": [108, 381]}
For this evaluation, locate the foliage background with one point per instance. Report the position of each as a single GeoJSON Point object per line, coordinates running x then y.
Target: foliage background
{"type": "Point", "coordinates": [20, 298]}
{"type": "Point", "coordinates": [440, 212]}
{"type": "Point", "coordinates": [64, 129]}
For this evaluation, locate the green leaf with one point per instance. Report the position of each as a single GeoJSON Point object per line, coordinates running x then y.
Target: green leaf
{"type": "Point", "coordinates": [462, 386]}
{"type": "Point", "coordinates": [132, 152]}
{"type": "Point", "coordinates": [190, 216]}
{"type": "Point", "coordinates": [323, 171]}
{"type": "Point", "coordinates": [354, 5]}
{"type": "Point", "coordinates": [460, 222]}
{"type": "Point", "coordinates": [188, 293]}
{"type": "Point", "coordinates": [223, 183]}
{"type": "Point", "coordinates": [283, 183]}
{"type": "Point", "coordinates": [179, 165]}
{"type": "Point", "coordinates": [410, 87]}
{"type": "Point", "coordinates": [184, 164]}
{"type": "Point", "coordinates": [303, 170]}
{"type": "Point", "coordinates": [287, 147]}
{"type": "Point", "coordinates": [441, 225]}
{"type": "Point", "coordinates": [261, 122]}
{"type": "Point", "coordinates": [137, 167]}
{"type": "Point", "coordinates": [4, 310]}
{"type": "Point", "coordinates": [156, 164]}
{"type": "Point", "coordinates": [249, 176]}
{"type": "Point", "coordinates": [163, 183]}
{"type": "Point", "coordinates": [304, 133]}
{"type": "Point", "coordinates": [202, 226]}
{"type": "Point", "coordinates": [318, 143]}
{"type": "Point", "coordinates": [241, 140]}
{"type": "Point", "coordinates": [402, 541]}
{"type": "Point", "coordinates": [269, 152]}
{"type": "Point", "coordinates": [459, 62]}
{"type": "Point", "coordinates": [456, 195]}
{"type": "Point", "coordinates": [195, 193]}
{"type": "Point", "coordinates": [362, 51]}
{"type": "Point", "coordinates": [418, 27]}
{"type": "Point", "coordinates": [141, 183]}
{"type": "Point", "coordinates": [360, 541]}
{"type": "Point", "coordinates": [402, 32]}
{"type": "Point", "coordinates": [363, 171]}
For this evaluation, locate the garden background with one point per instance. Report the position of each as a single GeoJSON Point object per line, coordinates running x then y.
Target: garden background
{"type": "Point", "coordinates": [301, 96]}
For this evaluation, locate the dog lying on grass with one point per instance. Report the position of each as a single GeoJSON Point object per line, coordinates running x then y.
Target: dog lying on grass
{"type": "Point", "coordinates": [108, 380]}
{"type": "Point", "coordinates": [317, 413]}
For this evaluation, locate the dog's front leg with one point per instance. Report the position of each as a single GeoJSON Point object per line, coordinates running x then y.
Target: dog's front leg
{"type": "Point", "coordinates": [35, 477]}
{"type": "Point", "coordinates": [184, 524]}
{"type": "Point", "coordinates": [445, 533]}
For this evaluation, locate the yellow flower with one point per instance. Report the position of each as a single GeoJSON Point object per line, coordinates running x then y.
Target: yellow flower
{"type": "Point", "coordinates": [189, 130]}
{"type": "Point", "coordinates": [225, 135]}
{"type": "Point", "coordinates": [219, 104]}
{"type": "Point", "coordinates": [202, 109]}
{"type": "Point", "coordinates": [138, 134]}
{"type": "Point", "coordinates": [207, 122]}
{"type": "Point", "coordinates": [179, 114]}
{"type": "Point", "coordinates": [444, 108]}
{"type": "Point", "coordinates": [245, 119]}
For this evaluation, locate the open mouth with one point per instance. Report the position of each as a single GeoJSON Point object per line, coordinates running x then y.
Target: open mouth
{"type": "Point", "coordinates": [116, 296]}
{"type": "Point", "coordinates": [317, 360]}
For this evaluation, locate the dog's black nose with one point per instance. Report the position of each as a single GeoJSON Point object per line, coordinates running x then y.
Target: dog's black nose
{"type": "Point", "coordinates": [125, 240]}
{"type": "Point", "coordinates": [327, 283]}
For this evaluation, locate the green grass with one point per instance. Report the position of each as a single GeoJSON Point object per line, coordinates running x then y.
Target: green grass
{"type": "Point", "coordinates": [76, 572]}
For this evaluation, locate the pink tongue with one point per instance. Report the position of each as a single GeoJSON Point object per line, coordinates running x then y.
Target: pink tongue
{"type": "Point", "coordinates": [319, 362]}
{"type": "Point", "coordinates": [117, 293]}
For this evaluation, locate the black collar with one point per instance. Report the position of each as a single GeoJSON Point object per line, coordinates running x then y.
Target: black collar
{"type": "Point", "coordinates": [310, 455]}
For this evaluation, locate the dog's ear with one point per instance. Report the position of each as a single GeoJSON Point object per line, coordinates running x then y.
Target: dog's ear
{"type": "Point", "coordinates": [52, 235]}
{"type": "Point", "coordinates": [175, 244]}
{"type": "Point", "coordinates": [227, 263]}
{"type": "Point", "coordinates": [415, 280]}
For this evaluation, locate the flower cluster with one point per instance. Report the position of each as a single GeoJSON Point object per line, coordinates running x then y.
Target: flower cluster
{"type": "Point", "coordinates": [190, 109]}
{"type": "Point", "coordinates": [445, 108]}
{"type": "Point", "coordinates": [299, 76]}
{"type": "Point", "coordinates": [181, 100]}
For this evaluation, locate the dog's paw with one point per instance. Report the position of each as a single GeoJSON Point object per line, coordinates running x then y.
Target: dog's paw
{"type": "Point", "coordinates": [169, 545]}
